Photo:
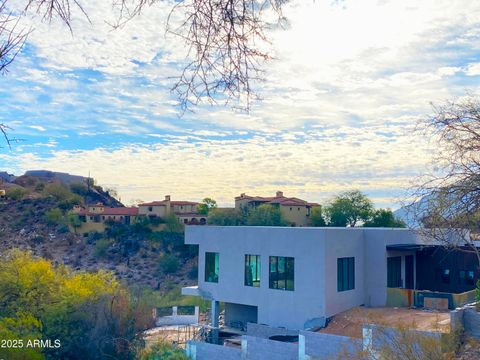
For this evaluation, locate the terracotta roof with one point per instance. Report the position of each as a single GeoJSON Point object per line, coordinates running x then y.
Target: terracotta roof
{"type": "Point", "coordinates": [190, 214]}
{"type": "Point", "coordinates": [184, 203]}
{"type": "Point", "coordinates": [112, 211]}
{"type": "Point", "coordinates": [164, 202]}
{"type": "Point", "coordinates": [282, 200]}
{"type": "Point", "coordinates": [154, 203]}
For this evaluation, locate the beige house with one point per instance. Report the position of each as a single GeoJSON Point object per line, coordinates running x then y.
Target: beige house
{"type": "Point", "coordinates": [2, 194]}
{"type": "Point", "coordinates": [93, 218]}
{"type": "Point", "coordinates": [296, 211]}
{"type": "Point", "coordinates": [185, 211]}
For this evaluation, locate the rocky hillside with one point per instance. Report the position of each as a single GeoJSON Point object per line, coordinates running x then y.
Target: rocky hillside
{"type": "Point", "coordinates": [38, 221]}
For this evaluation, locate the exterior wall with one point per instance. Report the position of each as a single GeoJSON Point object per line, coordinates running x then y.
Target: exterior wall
{"type": "Point", "coordinates": [340, 244]}
{"type": "Point", "coordinates": [89, 226]}
{"type": "Point", "coordinates": [316, 251]}
{"type": "Point", "coordinates": [431, 261]}
{"type": "Point", "coordinates": [240, 315]}
{"type": "Point", "coordinates": [157, 210]}
{"type": "Point", "coordinates": [204, 351]}
{"type": "Point", "coordinates": [327, 346]}
{"type": "Point", "coordinates": [184, 208]}
{"type": "Point", "coordinates": [261, 349]}
{"type": "Point", "coordinates": [265, 331]}
{"type": "Point", "coordinates": [295, 214]}
{"type": "Point", "coordinates": [375, 262]}
{"type": "Point", "coordinates": [298, 306]}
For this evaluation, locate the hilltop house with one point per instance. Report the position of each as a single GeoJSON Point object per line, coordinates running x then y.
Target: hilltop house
{"type": "Point", "coordinates": [296, 211]}
{"type": "Point", "coordinates": [185, 211]}
{"type": "Point", "coordinates": [298, 277]}
{"type": "Point", "coordinates": [94, 217]}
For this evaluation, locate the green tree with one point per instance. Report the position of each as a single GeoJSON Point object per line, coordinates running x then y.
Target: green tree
{"type": "Point", "coordinates": [206, 206]}
{"type": "Point", "coordinates": [384, 218]}
{"type": "Point", "coordinates": [54, 216]}
{"type": "Point", "coordinates": [316, 216]}
{"type": "Point", "coordinates": [168, 264]}
{"type": "Point", "coordinates": [266, 215]}
{"type": "Point", "coordinates": [349, 208]}
{"type": "Point", "coordinates": [225, 217]}
{"type": "Point", "coordinates": [74, 221]}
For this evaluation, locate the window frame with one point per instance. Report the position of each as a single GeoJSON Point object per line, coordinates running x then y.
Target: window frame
{"type": "Point", "coordinates": [345, 274]}
{"type": "Point", "coordinates": [216, 267]}
{"type": "Point", "coordinates": [255, 278]}
{"type": "Point", "coordinates": [287, 271]}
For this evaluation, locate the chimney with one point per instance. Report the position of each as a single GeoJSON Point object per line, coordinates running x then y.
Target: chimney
{"type": "Point", "coordinates": [167, 197]}
{"type": "Point", "coordinates": [279, 193]}
{"type": "Point", "coordinates": [242, 195]}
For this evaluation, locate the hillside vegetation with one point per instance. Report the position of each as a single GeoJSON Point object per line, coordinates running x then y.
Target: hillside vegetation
{"type": "Point", "coordinates": [35, 217]}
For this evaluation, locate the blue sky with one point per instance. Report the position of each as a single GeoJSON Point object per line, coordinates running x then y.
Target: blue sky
{"type": "Point", "coordinates": [348, 84]}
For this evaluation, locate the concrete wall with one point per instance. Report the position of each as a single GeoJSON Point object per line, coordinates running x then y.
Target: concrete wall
{"type": "Point", "coordinates": [265, 331]}
{"type": "Point", "coordinates": [327, 346]}
{"type": "Point", "coordinates": [176, 319]}
{"type": "Point", "coordinates": [260, 349]}
{"type": "Point", "coordinates": [204, 351]}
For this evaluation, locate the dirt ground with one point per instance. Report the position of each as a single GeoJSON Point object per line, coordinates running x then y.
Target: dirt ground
{"type": "Point", "coordinates": [174, 334]}
{"type": "Point", "coordinates": [349, 323]}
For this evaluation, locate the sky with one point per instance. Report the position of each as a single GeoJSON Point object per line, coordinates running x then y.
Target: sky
{"type": "Point", "coordinates": [340, 102]}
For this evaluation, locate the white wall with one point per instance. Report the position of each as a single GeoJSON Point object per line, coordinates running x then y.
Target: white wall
{"type": "Point", "coordinates": [315, 251]}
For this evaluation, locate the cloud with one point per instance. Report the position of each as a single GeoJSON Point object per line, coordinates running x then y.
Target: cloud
{"type": "Point", "coordinates": [340, 99]}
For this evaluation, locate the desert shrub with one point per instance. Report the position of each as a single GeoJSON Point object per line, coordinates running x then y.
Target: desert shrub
{"type": "Point", "coordinates": [168, 264]}
{"type": "Point", "coordinates": [38, 239]}
{"type": "Point", "coordinates": [39, 187]}
{"type": "Point", "coordinates": [101, 248]}
{"type": "Point", "coordinates": [62, 229]}
{"type": "Point", "coordinates": [70, 202]}
{"type": "Point", "coordinates": [54, 216]}
{"type": "Point", "coordinates": [57, 191]}
{"type": "Point", "coordinates": [79, 189]}
{"type": "Point", "coordinates": [16, 193]}
{"type": "Point", "coordinates": [163, 351]}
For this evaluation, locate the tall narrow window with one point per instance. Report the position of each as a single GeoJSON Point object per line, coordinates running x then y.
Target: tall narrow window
{"type": "Point", "coordinates": [345, 274]}
{"type": "Point", "coordinates": [211, 267]}
{"type": "Point", "coordinates": [252, 270]}
{"type": "Point", "coordinates": [394, 272]}
{"type": "Point", "coordinates": [282, 273]}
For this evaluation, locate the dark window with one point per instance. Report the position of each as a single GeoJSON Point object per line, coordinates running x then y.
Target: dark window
{"type": "Point", "coordinates": [445, 275]}
{"type": "Point", "coordinates": [103, 217]}
{"type": "Point", "coordinates": [282, 273]}
{"type": "Point", "coordinates": [211, 267]}
{"type": "Point", "coordinates": [470, 278]}
{"type": "Point", "coordinates": [252, 270]}
{"type": "Point", "coordinates": [394, 272]}
{"type": "Point", "coordinates": [345, 274]}
{"type": "Point", "coordinates": [150, 208]}
{"type": "Point", "coordinates": [467, 277]}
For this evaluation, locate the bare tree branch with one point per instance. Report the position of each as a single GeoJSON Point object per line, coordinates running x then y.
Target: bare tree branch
{"type": "Point", "coordinates": [12, 39]}
{"type": "Point", "coordinates": [447, 202]}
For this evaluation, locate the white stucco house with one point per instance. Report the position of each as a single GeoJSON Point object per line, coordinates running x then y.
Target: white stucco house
{"type": "Point", "coordinates": [297, 277]}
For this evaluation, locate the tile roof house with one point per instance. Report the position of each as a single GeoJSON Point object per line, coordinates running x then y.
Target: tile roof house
{"type": "Point", "coordinates": [186, 211]}
{"type": "Point", "coordinates": [295, 210]}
